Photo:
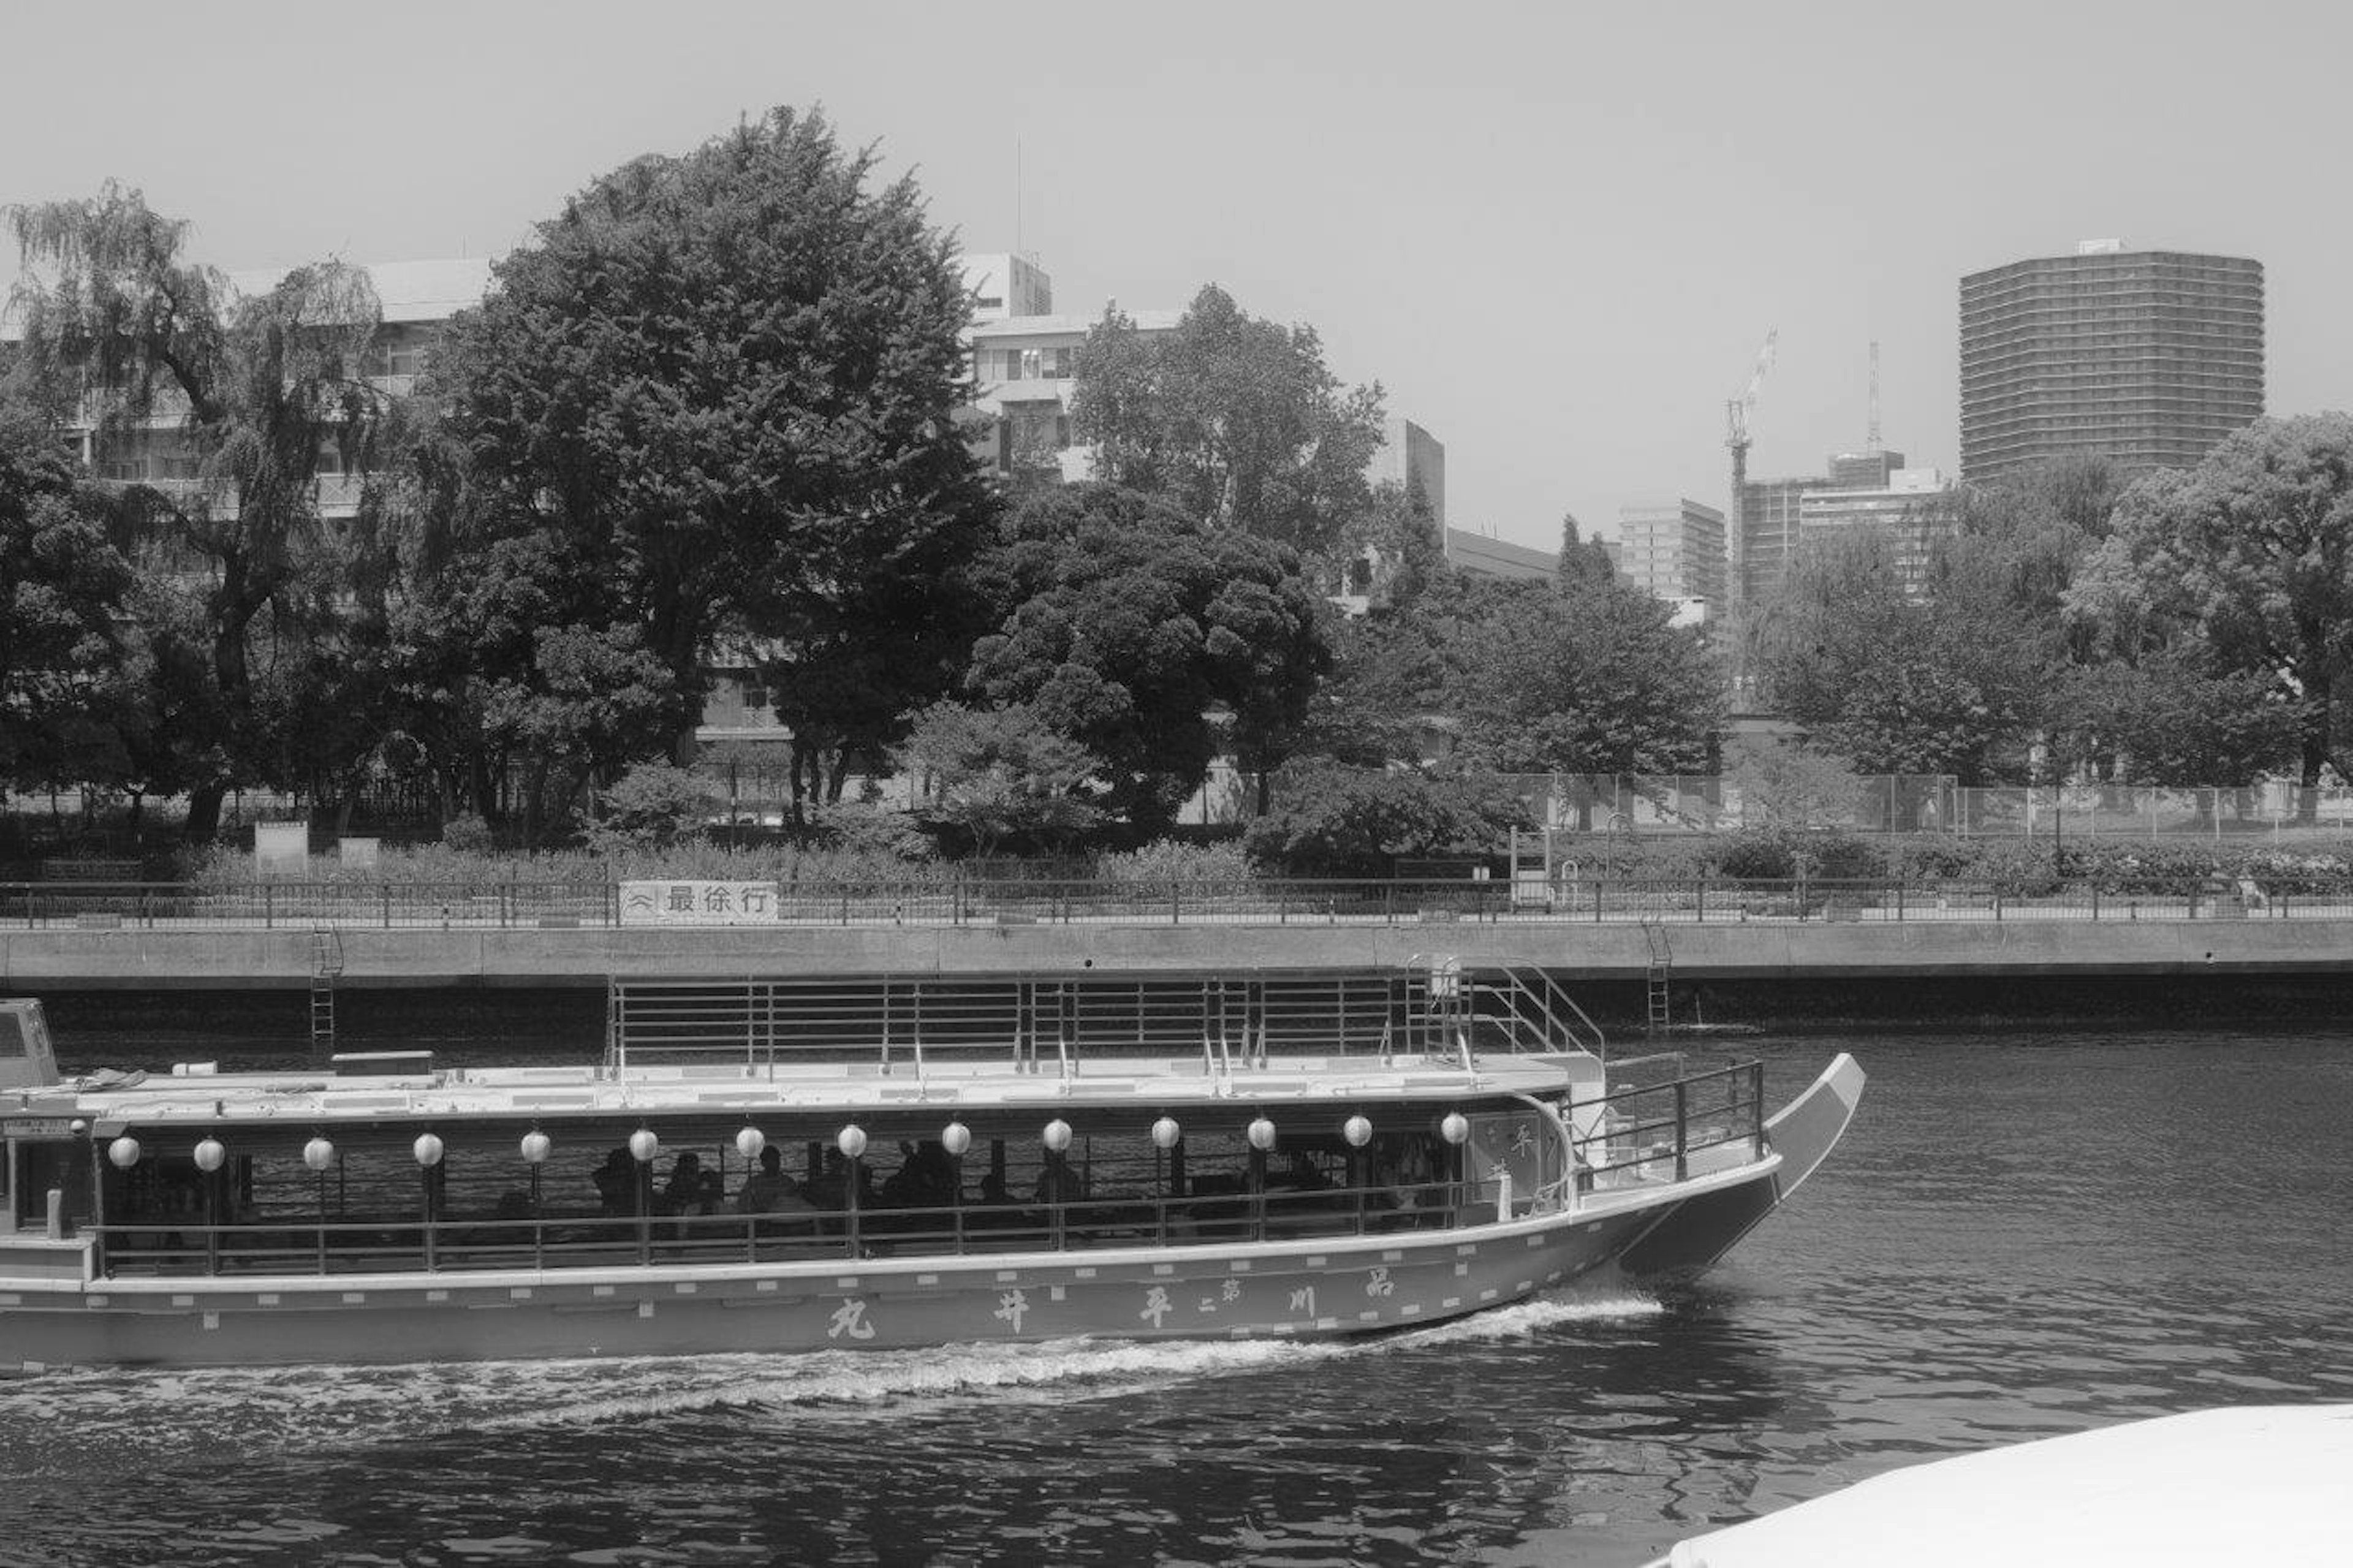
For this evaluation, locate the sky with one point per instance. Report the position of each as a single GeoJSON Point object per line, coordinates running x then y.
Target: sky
{"type": "Point", "coordinates": [1555, 234]}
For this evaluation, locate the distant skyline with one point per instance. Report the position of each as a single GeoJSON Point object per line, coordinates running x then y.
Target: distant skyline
{"type": "Point", "coordinates": [1557, 236]}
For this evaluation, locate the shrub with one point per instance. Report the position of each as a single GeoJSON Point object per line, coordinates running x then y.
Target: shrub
{"type": "Point", "coordinates": [1332, 820]}
{"type": "Point", "coordinates": [1166, 860]}
{"type": "Point", "coordinates": [654, 805]}
{"type": "Point", "coordinates": [468, 834]}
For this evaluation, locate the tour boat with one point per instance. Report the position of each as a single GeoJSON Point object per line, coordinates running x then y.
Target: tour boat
{"type": "Point", "coordinates": [883, 1163]}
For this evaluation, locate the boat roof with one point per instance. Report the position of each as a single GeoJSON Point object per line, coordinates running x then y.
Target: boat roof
{"type": "Point", "coordinates": [113, 1102]}
{"type": "Point", "coordinates": [2239, 1484]}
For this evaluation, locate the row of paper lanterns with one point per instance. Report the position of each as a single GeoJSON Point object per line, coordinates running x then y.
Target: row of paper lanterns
{"type": "Point", "coordinates": [646, 1148]}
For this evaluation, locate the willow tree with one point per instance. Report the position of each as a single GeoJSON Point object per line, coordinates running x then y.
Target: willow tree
{"type": "Point", "coordinates": [241, 399]}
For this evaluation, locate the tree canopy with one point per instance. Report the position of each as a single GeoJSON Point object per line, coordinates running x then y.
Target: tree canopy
{"type": "Point", "coordinates": [995, 772]}
{"type": "Point", "coordinates": [1235, 419]}
{"type": "Point", "coordinates": [1134, 630]}
{"type": "Point", "coordinates": [67, 671]}
{"type": "Point", "coordinates": [1595, 681]}
{"type": "Point", "coordinates": [729, 379]}
{"type": "Point", "coordinates": [2251, 552]}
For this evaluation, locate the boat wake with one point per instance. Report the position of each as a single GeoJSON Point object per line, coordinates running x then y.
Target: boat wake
{"type": "Point", "coordinates": [159, 1412]}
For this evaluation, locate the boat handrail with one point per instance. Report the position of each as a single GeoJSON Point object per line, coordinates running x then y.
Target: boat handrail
{"type": "Point", "coordinates": [293, 1244]}
{"type": "Point", "coordinates": [1537, 1012]}
{"type": "Point", "coordinates": [1685, 1126]}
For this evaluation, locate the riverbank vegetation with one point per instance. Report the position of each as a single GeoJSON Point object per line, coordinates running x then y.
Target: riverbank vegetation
{"type": "Point", "coordinates": [714, 416]}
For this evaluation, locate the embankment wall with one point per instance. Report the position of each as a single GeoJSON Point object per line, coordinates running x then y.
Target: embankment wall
{"type": "Point", "coordinates": [163, 960]}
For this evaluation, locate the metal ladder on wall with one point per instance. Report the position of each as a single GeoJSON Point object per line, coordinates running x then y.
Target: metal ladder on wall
{"type": "Point", "coordinates": [1659, 1001]}
{"type": "Point", "coordinates": [326, 963]}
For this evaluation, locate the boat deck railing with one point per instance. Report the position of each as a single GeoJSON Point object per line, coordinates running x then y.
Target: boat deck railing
{"type": "Point", "coordinates": [1660, 1132]}
{"type": "Point", "coordinates": [1051, 1022]}
{"type": "Point", "coordinates": [387, 1245]}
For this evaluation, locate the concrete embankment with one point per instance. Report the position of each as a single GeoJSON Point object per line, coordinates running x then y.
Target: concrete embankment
{"type": "Point", "coordinates": [164, 959]}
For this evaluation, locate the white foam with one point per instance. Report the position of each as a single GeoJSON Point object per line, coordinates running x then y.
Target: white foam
{"type": "Point", "coordinates": [328, 1404]}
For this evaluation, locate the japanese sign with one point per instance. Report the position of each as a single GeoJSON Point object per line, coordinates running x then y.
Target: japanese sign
{"type": "Point", "coordinates": [698, 903]}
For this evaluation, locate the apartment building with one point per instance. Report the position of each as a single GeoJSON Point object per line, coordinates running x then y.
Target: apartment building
{"type": "Point", "coordinates": [2146, 358]}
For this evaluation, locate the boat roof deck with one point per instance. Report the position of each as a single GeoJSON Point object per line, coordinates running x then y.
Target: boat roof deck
{"type": "Point", "coordinates": [584, 1091]}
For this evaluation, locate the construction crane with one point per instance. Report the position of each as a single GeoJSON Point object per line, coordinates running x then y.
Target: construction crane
{"type": "Point", "coordinates": [1736, 420]}
{"type": "Point", "coordinates": [1873, 447]}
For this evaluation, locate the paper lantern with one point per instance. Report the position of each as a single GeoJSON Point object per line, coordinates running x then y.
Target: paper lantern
{"type": "Point", "coordinates": [318, 1153]}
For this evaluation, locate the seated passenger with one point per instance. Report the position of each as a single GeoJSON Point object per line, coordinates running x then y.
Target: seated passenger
{"type": "Point", "coordinates": [767, 1187]}
{"type": "Point", "coordinates": [684, 1192]}
{"type": "Point", "coordinates": [1302, 1174]}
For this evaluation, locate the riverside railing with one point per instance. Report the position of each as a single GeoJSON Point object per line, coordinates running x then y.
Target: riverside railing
{"type": "Point", "coordinates": [508, 905]}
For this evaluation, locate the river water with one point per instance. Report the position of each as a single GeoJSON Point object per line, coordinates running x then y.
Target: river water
{"type": "Point", "coordinates": [2023, 1235]}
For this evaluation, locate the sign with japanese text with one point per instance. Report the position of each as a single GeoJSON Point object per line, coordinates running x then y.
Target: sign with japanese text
{"type": "Point", "coordinates": [698, 903]}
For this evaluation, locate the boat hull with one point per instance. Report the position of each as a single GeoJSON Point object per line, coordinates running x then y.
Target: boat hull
{"type": "Point", "coordinates": [1694, 1233]}
{"type": "Point", "coordinates": [1326, 1287]}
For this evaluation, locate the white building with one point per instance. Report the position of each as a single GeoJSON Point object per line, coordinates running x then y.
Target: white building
{"type": "Point", "coordinates": [1672, 549]}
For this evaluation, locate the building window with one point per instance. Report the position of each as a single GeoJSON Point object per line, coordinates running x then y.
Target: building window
{"type": "Point", "coordinates": [989, 302]}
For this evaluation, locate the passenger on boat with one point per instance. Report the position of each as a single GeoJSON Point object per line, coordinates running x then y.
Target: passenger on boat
{"type": "Point", "coordinates": [925, 1177]}
{"type": "Point", "coordinates": [616, 1183]}
{"type": "Point", "coordinates": [687, 1192]}
{"type": "Point", "coordinates": [1302, 1174]}
{"type": "Point", "coordinates": [1406, 1182]}
{"type": "Point", "coordinates": [767, 1187]}
{"type": "Point", "coordinates": [1060, 1184]}
{"type": "Point", "coordinates": [830, 1189]}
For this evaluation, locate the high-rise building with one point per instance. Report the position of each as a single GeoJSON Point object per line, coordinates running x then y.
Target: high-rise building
{"type": "Point", "coordinates": [2148, 358]}
{"type": "Point", "coordinates": [1672, 549]}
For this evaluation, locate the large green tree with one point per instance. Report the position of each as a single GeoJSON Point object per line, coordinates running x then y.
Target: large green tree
{"type": "Point", "coordinates": [2252, 554]}
{"type": "Point", "coordinates": [1949, 676]}
{"type": "Point", "coordinates": [731, 378]}
{"type": "Point", "coordinates": [1593, 682]}
{"type": "Point", "coordinates": [993, 772]}
{"type": "Point", "coordinates": [67, 671]}
{"type": "Point", "coordinates": [1149, 638]}
{"type": "Point", "coordinates": [1237, 420]}
{"type": "Point", "coordinates": [250, 397]}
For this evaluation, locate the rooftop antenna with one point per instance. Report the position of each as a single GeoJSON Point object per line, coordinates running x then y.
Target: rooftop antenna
{"type": "Point", "coordinates": [1873, 447]}
{"type": "Point", "coordinates": [1016, 196]}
